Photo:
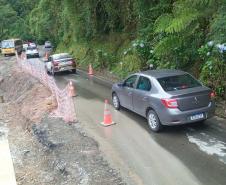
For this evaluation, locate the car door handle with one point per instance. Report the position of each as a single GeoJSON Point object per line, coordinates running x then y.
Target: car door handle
{"type": "Point", "coordinates": [145, 98]}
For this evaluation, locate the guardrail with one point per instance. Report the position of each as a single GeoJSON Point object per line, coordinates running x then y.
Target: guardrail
{"type": "Point", "coordinates": [65, 105]}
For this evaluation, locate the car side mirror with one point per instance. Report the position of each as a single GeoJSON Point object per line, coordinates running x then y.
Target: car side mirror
{"type": "Point", "coordinates": [121, 84]}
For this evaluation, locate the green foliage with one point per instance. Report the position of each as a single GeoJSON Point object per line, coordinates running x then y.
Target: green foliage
{"type": "Point", "coordinates": [7, 18]}
{"type": "Point", "coordinates": [14, 18]}
{"type": "Point", "coordinates": [126, 36]}
{"type": "Point", "coordinates": [213, 70]}
{"type": "Point", "coordinates": [130, 63]}
{"type": "Point", "coordinates": [104, 60]}
{"type": "Point", "coordinates": [213, 75]}
{"type": "Point", "coordinates": [218, 26]}
{"type": "Point", "coordinates": [181, 32]}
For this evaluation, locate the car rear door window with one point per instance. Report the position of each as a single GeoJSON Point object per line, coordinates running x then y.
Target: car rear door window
{"type": "Point", "coordinates": [178, 82]}
{"type": "Point", "coordinates": [144, 84]}
{"type": "Point", "coordinates": [130, 82]}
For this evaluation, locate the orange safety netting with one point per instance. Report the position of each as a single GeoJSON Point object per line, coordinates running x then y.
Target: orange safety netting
{"type": "Point", "coordinates": [65, 105]}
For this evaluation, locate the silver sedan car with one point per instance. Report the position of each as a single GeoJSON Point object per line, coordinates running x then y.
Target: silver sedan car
{"type": "Point", "coordinates": [60, 62]}
{"type": "Point", "coordinates": [165, 97]}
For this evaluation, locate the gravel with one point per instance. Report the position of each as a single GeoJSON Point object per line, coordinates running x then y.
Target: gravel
{"type": "Point", "coordinates": [46, 150]}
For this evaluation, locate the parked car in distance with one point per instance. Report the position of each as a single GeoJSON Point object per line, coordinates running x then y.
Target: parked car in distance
{"type": "Point", "coordinates": [165, 97]}
{"type": "Point", "coordinates": [48, 48]}
{"type": "Point", "coordinates": [32, 52]}
{"type": "Point", "coordinates": [32, 44]}
{"type": "Point", "coordinates": [25, 47]}
{"type": "Point", "coordinates": [48, 44]}
{"type": "Point", "coordinates": [60, 62]}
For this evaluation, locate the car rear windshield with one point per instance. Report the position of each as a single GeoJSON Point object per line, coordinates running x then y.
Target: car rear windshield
{"type": "Point", "coordinates": [173, 83]}
{"type": "Point", "coordinates": [31, 47]}
{"type": "Point", "coordinates": [61, 56]}
{"type": "Point", "coordinates": [48, 46]}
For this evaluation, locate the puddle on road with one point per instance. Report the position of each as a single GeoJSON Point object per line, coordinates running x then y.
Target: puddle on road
{"type": "Point", "coordinates": [208, 144]}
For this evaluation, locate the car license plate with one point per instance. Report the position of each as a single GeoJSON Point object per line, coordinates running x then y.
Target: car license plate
{"type": "Point", "coordinates": [197, 116]}
{"type": "Point", "coordinates": [64, 64]}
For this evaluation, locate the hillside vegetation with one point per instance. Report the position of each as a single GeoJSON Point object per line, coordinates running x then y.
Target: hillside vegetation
{"type": "Point", "coordinates": [123, 36]}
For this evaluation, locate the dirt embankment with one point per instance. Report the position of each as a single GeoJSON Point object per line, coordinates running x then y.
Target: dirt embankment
{"type": "Point", "coordinates": [45, 150]}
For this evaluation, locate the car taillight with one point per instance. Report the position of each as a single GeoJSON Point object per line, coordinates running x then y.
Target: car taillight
{"type": "Point", "coordinates": [170, 103]}
{"type": "Point", "coordinates": [55, 63]}
{"type": "Point", "coordinates": [212, 95]}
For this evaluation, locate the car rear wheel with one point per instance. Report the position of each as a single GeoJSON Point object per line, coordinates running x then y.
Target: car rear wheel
{"type": "Point", "coordinates": [52, 72]}
{"type": "Point", "coordinates": [73, 71]}
{"type": "Point", "coordinates": [116, 102]}
{"type": "Point", "coordinates": [47, 71]}
{"type": "Point", "coordinates": [153, 121]}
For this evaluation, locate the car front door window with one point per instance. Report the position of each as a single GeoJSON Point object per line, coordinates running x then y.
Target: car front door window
{"type": "Point", "coordinates": [130, 82]}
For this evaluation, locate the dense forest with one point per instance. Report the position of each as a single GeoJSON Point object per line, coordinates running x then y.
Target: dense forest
{"type": "Point", "coordinates": [123, 36]}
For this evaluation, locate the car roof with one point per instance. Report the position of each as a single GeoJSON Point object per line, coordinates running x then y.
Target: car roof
{"type": "Point", "coordinates": [161, 73]}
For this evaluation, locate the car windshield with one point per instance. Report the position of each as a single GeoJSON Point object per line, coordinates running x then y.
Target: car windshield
{"type": "Point", "coordinates": [61, 56]}
{"type": "Point", "coordinates": [7, 44]}
{"type": "Point", "coordinates": [173, 83]}
{"type": "Point", "coordinates": [31, 47]}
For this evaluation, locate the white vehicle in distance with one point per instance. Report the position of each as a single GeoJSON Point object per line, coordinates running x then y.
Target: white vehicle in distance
{"type": "Point", "coordinates": [32, 52]}
{"type": "Point", "coordinates": [48, 45]}
{"type": "Point", "coordinates": [32, 44]}
{"type": "Point", "coordinates": [25, 47]}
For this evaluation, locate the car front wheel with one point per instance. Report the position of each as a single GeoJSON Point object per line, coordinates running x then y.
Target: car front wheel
{"type": "Point", "coordinates": [116, 102]}
{"type": "Point", "coordinates": [153, 121]}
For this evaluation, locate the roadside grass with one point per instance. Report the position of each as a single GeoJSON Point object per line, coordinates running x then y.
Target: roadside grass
{"type": "Point", "coordinates": [106, 54]}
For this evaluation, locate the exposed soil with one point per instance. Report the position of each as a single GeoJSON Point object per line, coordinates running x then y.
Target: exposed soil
{"type": "Point", "coordinates": [45, 150]}
{"type": "Point", "coordinates": [221, 108]}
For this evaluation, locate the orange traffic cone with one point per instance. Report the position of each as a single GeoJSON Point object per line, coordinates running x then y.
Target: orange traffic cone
{"type": "Point", "coordinates": [90, 70]}
{"type": "Point", "coordinates": [71, 90]}
{"type": "Point", "coordinates": [107, 116]}
{"type": "Point", "coordinates": [46, 56]}
{"type": "Point", "coordinates": [24, 57]}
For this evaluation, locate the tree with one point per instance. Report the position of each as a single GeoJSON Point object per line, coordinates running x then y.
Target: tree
{"type": "Point", "coordinates": [8, 18]}
{"type": "Point", "coordinates": [183, 31]}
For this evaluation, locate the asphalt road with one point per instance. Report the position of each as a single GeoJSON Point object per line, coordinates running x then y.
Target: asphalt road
{"type": "Point", "coordinates": [186, 155]}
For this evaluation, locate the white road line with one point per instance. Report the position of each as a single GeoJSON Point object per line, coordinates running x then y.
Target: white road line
{"type": "Point", "coordinates": [7, 175]}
